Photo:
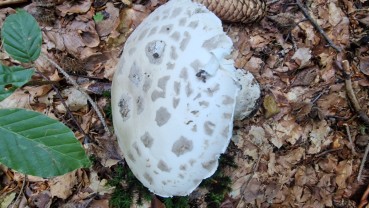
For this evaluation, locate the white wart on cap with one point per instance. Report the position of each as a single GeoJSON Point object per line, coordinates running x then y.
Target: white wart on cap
{"type": "Point", "coordinates": [173, 97]}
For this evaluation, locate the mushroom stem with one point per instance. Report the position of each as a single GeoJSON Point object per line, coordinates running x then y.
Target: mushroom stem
{"type": "Point", "coordinates": [247, 99]}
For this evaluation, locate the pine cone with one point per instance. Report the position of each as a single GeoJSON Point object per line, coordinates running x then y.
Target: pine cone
{"type": "Point", "coordinates": [244, 11]}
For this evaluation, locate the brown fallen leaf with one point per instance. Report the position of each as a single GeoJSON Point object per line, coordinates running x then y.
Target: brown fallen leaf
{"type": "Point", "coordinates": [62, 186]}
{"type": "Point", "coordinates": [343, 171]}
{"type": "Point", "coordinates": [270, 106]}
{"type": "Point", "coordinates": [106, 26]}
{"type": "Point", "coordinates": [74, 8]}
{"type": "Point", "coordinates": [302, 57]}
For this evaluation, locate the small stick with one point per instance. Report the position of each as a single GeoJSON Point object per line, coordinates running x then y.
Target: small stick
{"type": "Point", "coordinates": [363, 163]}
{"type": "Point", "coordinates": [17, 201]}
{"type": "Point", "coordinates": [326, 152]}
{"type": "Point", "coordinates": [350, 139]}
{"type": "Point", "coordinates": [74, 83]}
{"type": "Point", "coordinates": [364, 198]}
{"type": "Point", "coordinates": [64, 104]}
{"type": "Point", "coordinates": [316, 26]}
{"type": "Point", "coordinates": [350, 92]}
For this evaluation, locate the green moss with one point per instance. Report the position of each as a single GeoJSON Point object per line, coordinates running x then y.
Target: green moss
{"type": "Point", "coordinates": [218, 186]}
{"type": "Point", "coordinates": [176, 202]}
{"type": "Point", "coordinates": [128, 188]}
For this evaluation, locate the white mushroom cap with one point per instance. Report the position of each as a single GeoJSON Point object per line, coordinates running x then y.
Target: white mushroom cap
{"type": "Point", "coordinates": [173, 97]}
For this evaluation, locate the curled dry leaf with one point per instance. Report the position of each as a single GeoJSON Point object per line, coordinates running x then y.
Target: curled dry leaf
{"type": "Point", "coordinates": [106, 26]}
{"type": "Point", "coordinates": [291, 158]}
{"type": "Point", "coordinates": [319, 137]}
{"type": "Point", "coordinates": [62, 186]}
{"type": "Point", "coordinates": [343, 172]}
{"type": "Point", "coordinates": [74, 38]}
{"type": "Point", "coordinates": [302, 57]}
{"type": "Point", "coordinates": [74, 8]}
{"type": "Point", "coordinates": [364, 64]}
{"type": "Point", "coordinates": [98, 185]}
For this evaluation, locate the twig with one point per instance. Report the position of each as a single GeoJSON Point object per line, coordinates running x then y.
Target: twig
{"type": "Point", "coordinates": [350, 92]}
{"type": "Point", "coordinates": [316, 26]}
{"type": "Point", "coordinates": [350, 139]}
{"type": "Point", "coordinates": [64, 104]}
{"type": "Point", "coordinates": [271, 2]}
{"type": "Point", "coordinates": [345, 69]}
{"type": "Point", "coordinates": [364, 198]}
{"type": "Point", "coordinates": [326, 152]}
{"type": "Point", "coordinates": [74, 83]}
{"type": "Point", "coordinates": [363, 163]}
{"type": "Point", "coordinates": [16, 203]}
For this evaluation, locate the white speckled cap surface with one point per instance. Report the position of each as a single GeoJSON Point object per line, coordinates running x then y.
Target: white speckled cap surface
{"type": "Point", "coordinates": [173, 97]}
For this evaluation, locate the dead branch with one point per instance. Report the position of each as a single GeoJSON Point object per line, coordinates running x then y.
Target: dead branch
{"type": "Point", "coordinates": [316, 26]}
{"type": "Point", "coordinates": [74, 83]}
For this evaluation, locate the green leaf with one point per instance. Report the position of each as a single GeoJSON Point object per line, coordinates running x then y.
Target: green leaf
{"type": "Point", "coordinates": [11, 78]}
{"type": "Point", "coordinates": [98, 17]}
{"type": "Point", "coordinates": [22, 37]}
{"type": "Point", "coordinates": [34, 144]}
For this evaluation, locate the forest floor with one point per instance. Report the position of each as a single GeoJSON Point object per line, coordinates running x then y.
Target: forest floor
{"type": "Point", "coordinates": [303, 147]}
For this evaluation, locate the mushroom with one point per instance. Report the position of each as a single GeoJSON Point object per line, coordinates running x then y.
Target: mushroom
{"type": "Point", "coordinates": [174, 97]}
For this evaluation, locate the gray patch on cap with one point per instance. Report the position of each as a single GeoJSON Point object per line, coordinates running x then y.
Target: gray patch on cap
{"type": "Point", "coordinates": [175, 102]}
{"type": "Point", "coordinates": [177, 87]}
{"type": "Point", "coordinates": [186, 39]}
{"type": "Point", "coordinates": [130, 156]}
{"type": "Point", "coordinates": [182, 146]}
{"type": "Point", "coordinates": [140, 105]}
{"type": "Point", "coordinates": [157, 94]}
{"type": "Point", "coordinates": [182, 21]}
{"type": "Point", "coordinates": [125, 106]}
{"type": "Point", "coordinates": [143, 34]}
{"type": "Point", "coordinates": [188, 90]}
{"type": "Point", "coordinates": [162, 116]}
{"type": "Point", "coordinates": [184, 74]}
{"type": "Point", "coordinates": [176, 12]}
{"type": "Point", "coordinates": [166, 29]}
{"type": "Point", "coordinates": [163, 166]}
{"type": "Point", "coordinates": [135, 146]}
{"type": "Point", "coordinates": [204, 103]}
{"type": "Point", "coordinates": [216, 42]}
{"type": "Point", "coordinates": [171, 66]}
{"type": "Point", "coordinates": [135, 75]}
{"type": "Point", "coordinates": [209, 165]}
{"type": "Point", "coordinates": [147, 84]}
{"type": "Point", "coordinates": [148, 178]}
{"type": "Point", "coordinates": [193, 24]}
{"type": "Point", "coordinates": [209, 128]}
{"type": "Point", "coordinates": [176, 36]}
{"type": "Point", "coordinates": [173, 53]}
{"type": "Point", "coordinates": [153, 31]}
{"type": "Point", "coordinates": [212, 90]}
{"type": "Point", "coordinates": [227, 100]}
{"type": "Point", "coordinates": [147, 140]}
{"type": "Point", "coordinates": [155, 51]}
